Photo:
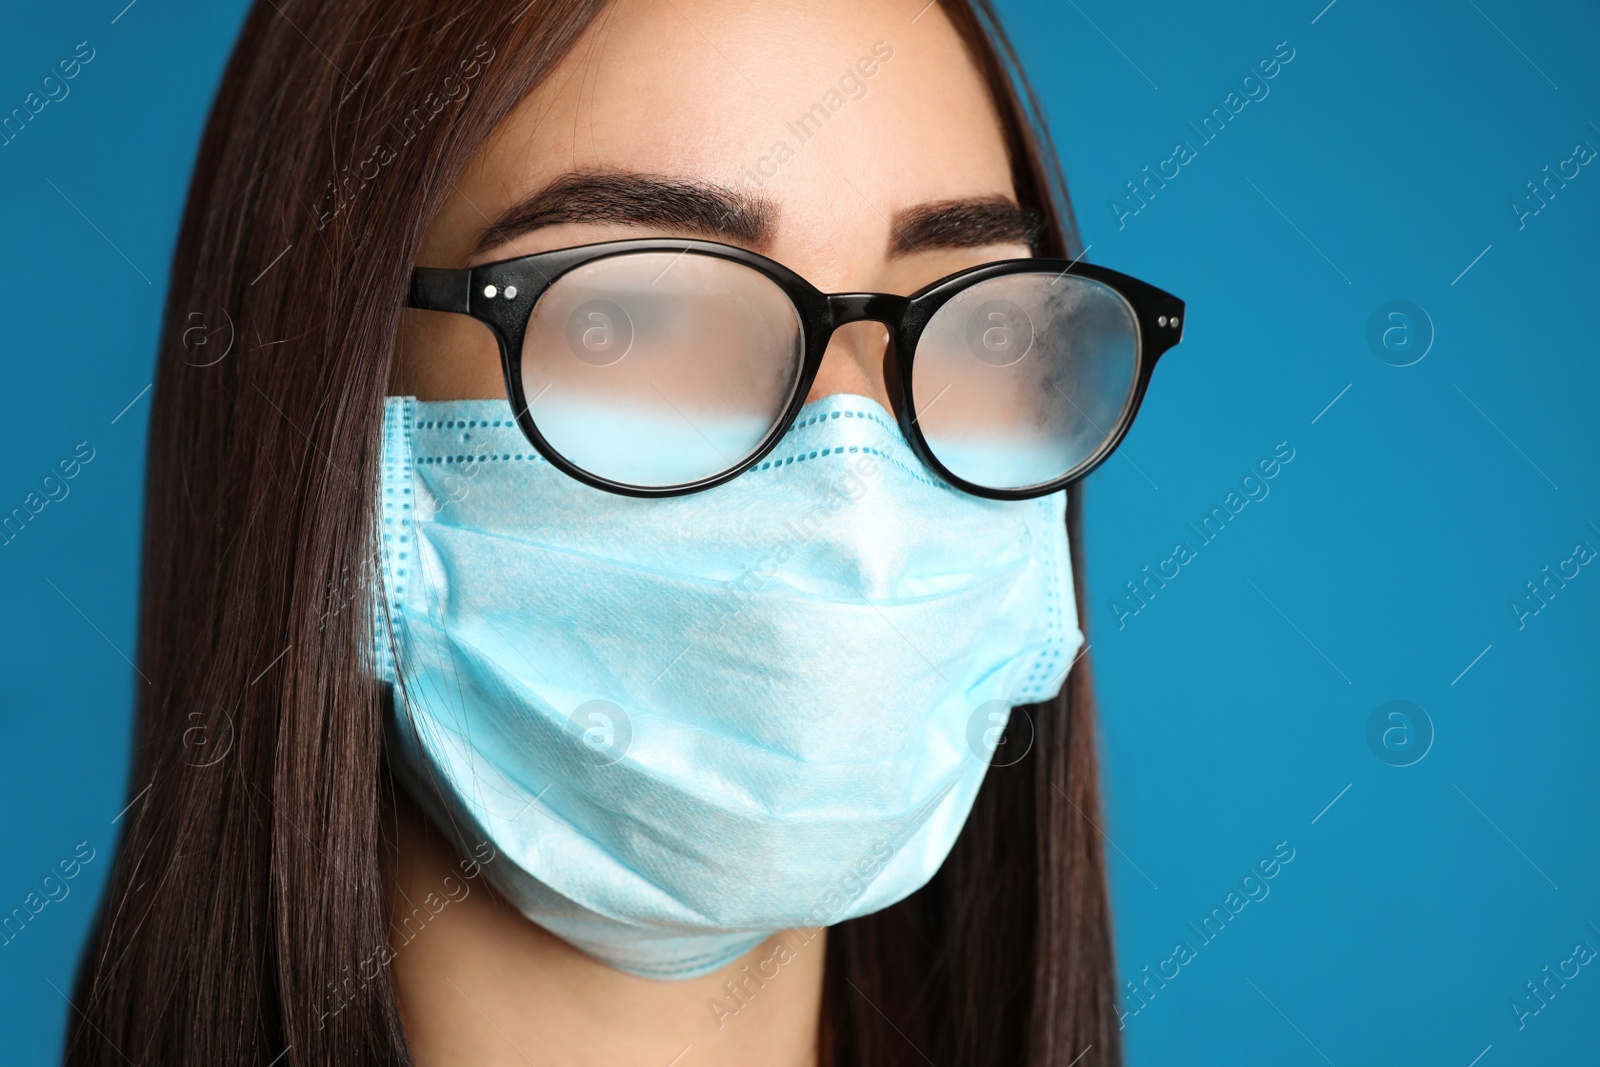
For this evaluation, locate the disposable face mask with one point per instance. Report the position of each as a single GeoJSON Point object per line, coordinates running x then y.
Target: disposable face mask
{"type": "Point", "coordinates": [686, 723]}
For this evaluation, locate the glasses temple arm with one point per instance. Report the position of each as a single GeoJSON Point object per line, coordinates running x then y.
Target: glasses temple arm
{"type": "Point", "coordinates": [440, 289]}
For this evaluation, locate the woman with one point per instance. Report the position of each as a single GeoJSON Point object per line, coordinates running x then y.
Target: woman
{"type": "Point", "coordinates": [522, 825]}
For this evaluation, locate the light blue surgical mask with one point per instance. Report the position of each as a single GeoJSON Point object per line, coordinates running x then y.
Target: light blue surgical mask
{"type": "Point", "coordinates": [686, 723]}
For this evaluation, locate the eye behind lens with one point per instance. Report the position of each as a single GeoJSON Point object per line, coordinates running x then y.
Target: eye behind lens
{"type": "Point", "coordinates": [1021, 378]}
{"type": "Point", "coordinates": [656, 369]}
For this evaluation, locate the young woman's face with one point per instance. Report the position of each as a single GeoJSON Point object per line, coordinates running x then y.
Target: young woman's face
{"type": "Point", "coordinates": [853, 141]}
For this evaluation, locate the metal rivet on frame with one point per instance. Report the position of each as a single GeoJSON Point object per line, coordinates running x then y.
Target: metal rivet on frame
{"type": "Point", "coordinates": [511, 292]}
{"type": "Point", "coordinates": [489, 291]}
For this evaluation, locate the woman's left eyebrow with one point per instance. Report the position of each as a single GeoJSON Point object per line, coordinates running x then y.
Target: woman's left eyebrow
{"type": "Point", "coordinates": [970, 222]}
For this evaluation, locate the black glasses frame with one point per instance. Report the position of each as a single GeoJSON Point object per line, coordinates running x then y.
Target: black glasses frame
{"type": "Point", "coordinates": [502, 296]}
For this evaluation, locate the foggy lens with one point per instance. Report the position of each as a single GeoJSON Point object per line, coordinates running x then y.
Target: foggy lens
{"type": "Point", "coordinates": [1021, 378]}
{"type": "Point", "coordinates": [660, 368]}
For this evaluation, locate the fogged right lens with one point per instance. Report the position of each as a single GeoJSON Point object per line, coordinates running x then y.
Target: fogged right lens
{"type": "Point", "coordinates": [656, 369]}
{"type": "Point", "coordinates": [1021, 378]}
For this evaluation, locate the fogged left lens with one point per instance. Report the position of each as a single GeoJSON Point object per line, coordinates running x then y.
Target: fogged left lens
{"type": "Point", "coordinates": [1020, 379]}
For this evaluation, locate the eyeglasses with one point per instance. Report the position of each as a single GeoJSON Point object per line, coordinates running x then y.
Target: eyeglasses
{"type": "Point", "coordinates": [661, 367]}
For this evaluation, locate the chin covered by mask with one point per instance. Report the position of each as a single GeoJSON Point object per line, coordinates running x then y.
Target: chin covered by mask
{"type": "Point", "coordinates": [686, 723]}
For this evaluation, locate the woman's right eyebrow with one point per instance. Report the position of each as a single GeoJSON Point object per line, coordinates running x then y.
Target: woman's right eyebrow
{"type": "Point", "coordinates": [640, 200]}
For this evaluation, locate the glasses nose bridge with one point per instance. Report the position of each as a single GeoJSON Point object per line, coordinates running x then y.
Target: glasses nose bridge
{"type": "Point", "coordinates": [845, 308]}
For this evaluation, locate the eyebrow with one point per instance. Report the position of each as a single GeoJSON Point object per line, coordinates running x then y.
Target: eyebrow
{"type": "Point", "coordinates": [967, 223]}
{"type": "Point", "coordinates": [639, 200]}
{"type": "Point", "coordinates": [719, 212]}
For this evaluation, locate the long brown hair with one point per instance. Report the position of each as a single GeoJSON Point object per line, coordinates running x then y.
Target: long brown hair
{"type": "Point", "coordinates": [252, 877]}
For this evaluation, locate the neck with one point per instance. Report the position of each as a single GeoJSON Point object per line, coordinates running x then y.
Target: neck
{"type": "Point", "coordinates": [479, 983]}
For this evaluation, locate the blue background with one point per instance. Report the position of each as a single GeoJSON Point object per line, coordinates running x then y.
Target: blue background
{"type": "Point", "coordinates": [1380, 566]}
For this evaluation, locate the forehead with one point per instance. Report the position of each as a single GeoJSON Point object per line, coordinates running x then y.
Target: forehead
{"type": "Point", "coordinates": [839, 112]}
